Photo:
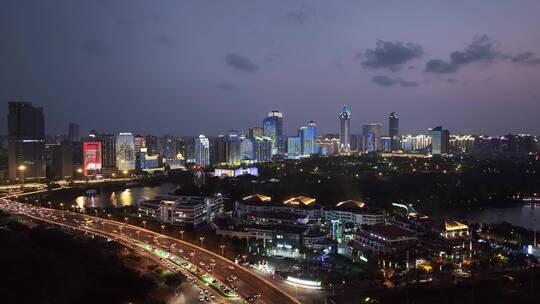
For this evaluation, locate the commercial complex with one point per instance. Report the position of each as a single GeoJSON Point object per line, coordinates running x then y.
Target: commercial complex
{"type": "Point", "coordinates": [182, 210]}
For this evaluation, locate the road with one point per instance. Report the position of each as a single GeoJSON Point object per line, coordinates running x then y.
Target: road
{"type": "Point", "coordinates": [246, 282]}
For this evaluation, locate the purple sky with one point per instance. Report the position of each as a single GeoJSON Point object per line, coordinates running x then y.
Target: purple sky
{"type": "Point", "coordinates": [191, 67]}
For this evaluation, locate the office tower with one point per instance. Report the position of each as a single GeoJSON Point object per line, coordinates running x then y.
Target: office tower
{"type": "Point", "coordinates": [345, 131]}
{"type": "Point", "coordinates": [246, 149]}
{"type": "Point", "coordinates": [386, 144]}
{"type": "Point", "coordinates": [108, 150]}
{"type": "Point", "coordinates": [152, 143]}
{"type": "Point", "coordinates": [218, 149]}
{"type": "Point", "coordinates": [169, 147]}
{"type": "Point", "coordinates": [26, 141]}
{"type": "Point", "coordinates": [294, 147]}
{"type": "Point", "coordinates": [125, 152]}
{"type": "Point", "coordinates": [202, 151]}
{"type": "Point", "coordinates": [140, 142]}
{"type": "Point", "coordinates": [256, 132]}
{"type": "Point", "coordinates": [92, 157]}
{"type": "Point", "coordinates": [233, 147]}
{"type": "Point", "coordinates": [262, 149]}
{"type": "Point", "coordinates": [371, 137]}
{"type": "Point", "coordinates": [356, 142]}
{"type": "Point", "coordinates": [393, 131]}
{"type": "Point", "coordinates": [308, 136]}
{"type": "Point", "coordinates": [273, 128]}
{"type": "Point", "coordinates": [439, 140]}
{"type": "Point", "coordinates": [74, 133]}
{"type": "Point", "coordinates": [62, 161]}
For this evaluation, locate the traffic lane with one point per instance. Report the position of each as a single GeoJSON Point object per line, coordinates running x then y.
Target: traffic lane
{"type": "Point", "coordinates": [269, 294]}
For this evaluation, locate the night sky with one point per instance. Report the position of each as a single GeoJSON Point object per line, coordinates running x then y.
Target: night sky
{"type": "Point", "coordinates": [192, 67]}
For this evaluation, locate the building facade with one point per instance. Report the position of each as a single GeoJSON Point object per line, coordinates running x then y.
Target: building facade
{"type": "Point", "coordinates": [345, 131]}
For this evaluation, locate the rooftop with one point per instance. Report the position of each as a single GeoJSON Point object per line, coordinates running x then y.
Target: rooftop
{"type": "Point", "coordinates": [299, 201]}
{"type": "Point", "coordinates": [391, 231]}
{"type": "Point", "coordinates": [351, 204]}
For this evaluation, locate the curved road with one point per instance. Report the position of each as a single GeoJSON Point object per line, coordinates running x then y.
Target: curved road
{"type": "Point", "coordinates": [247, 282]}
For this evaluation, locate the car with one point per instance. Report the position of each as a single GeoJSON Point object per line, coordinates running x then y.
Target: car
{"type": "Point", "coordinates": [202, 263]}
{"type": "Point", "coordinates": [212, 260]}
{"type": "Point", "coordinates": [230, 267]}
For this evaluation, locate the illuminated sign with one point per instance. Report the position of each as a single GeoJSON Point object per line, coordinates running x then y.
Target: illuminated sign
{"type": "Point", "coordinates": [91, 157]}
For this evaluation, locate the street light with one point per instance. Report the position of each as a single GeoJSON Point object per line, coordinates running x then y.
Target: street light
{"type": "Point", "coordinates": [125, 219]}
{"type": "Point", "coordinates": [192, 257]}
{"type": "Point", "coordinates": [50, 205]}
{"type": "Point", "coordinates": [138, 232]}
{"type": "Point", "coordinates": [221, 246]}
{"type": "Point", "coordinates": [144, 224]}
{"type": "Point", "coordinates": [202, 240]}
{"type": "Point", "coordinates": [162, 229]}
{"type": "Point", "coordinates": [182, 234]}
{"type": "Point", "coordinates": [22, 168]}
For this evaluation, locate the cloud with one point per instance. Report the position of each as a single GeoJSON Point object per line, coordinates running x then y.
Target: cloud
{"type": "Point", "coordinates": [525, 59]}
{"type": "Point", "coordinates": [302, 15]}
{"type": "Point", "coordinates": [240, 63]}
{"type": "Point", "coordinates": [391, 55]}
{"type": "Point", "coordinates": [481, 49]}
{"type": "Point", "coordinates": [97, 48]}
{"type": "Point", "coordinates": [390, 82]}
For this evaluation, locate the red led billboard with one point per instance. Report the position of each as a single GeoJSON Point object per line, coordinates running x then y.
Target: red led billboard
{"type": "Point", "coordinates": [91, 157]}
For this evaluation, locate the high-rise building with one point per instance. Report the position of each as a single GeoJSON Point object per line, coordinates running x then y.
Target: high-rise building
{"type": "Point", "coordinates": [345, 131]}
{"type": "Point", "coordinates": [125, 152]}
{"type": "Point", "coordinates": [26, 141]}
{"type": "Point", "coordinates": [92, 159]}
{"type": "Point", "coordinates": [371, 137]}
{"type": "Point", "coordinates": [234, 147]}
{"type": "Point", "coordinates": [202, 151]}
{"type": "Point", "coordinates": [246, 149]}
{"type": "Point", "coordinates": [62, 165]}
{"type": "Point", "coordinates": [294, 147]}
{"type": "Point", "coordinates": [393, 131]}
{"type": "Point", "coordinates": [108, 150]}
{"type": "Point", "coordinates": [256, 132]}
{"type": "Point", "coordinates": [262, 149]}
{"type": "Point", "coordinates": [439, 140]}
{"type": "Point", "coordinates": [308, 136]}
{"type": "Point", "coordinates": [273, 128]}
{"type": "Point", "coordinates": [74, 136]}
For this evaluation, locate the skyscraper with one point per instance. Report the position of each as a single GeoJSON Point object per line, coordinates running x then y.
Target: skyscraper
{"type": "Point", "coordinates": [308, 136]}
{"type": "Point", "coordinates": [74, 133]}
{"type": "Point", "coordinates": [439, 140]}
{"type": "Point", "coordinates": [371, 137]}
{"type": "Point", "coordinates": [294, 147]}
{"type": "Point", "coordinates": [273, 128]}
{"type": "Point", "coordinates": [393, 131]}
{"type": "Point", "coordinates": [262, 149]}
{"type": "Point", "coordinates": [26, 141]}
{"type": "Point", "coordinates": [125, 152]}
{"type": "Point", "coordinates": [345, 130]}
{"type": "Point", "coordinates": [256, 132]}
{"type": "Point", "coordinates": [202, 151]}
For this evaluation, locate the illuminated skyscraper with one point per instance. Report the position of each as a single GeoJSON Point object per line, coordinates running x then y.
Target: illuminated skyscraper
{"type": "Point", "coordinates": [371, 137]}
{"type": "Point", "coordinates": [439, 140]}
{"type": "Point", "coordinates": [294, 147]}
{"type": "Point", "coordinates": [202, 151]}
{"type": "Point", "coordinates": [393, 131]}
{"type": "Point", "coordinates": [125, 152]}
{"type": "Point", "coordinates": [26, 141]}
{"type": "Point", "coordinates": [262, 149]}
{"type": "Point", "coordinates": [273, 128]}
{"type": "Point", "coordinates": [345, 130]}
{"type": "Point", "coordinates": [308, 136]}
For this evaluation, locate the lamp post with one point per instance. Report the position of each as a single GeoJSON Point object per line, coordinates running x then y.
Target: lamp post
{"type": "Point", "coordinates": [192, 257]}
{"type": "Point", "coordinates": [109, 216]}
{"type": "Point", "coordinates": [50, 205]}
{"type": "Point", "coordinates": [144, 224]}
{"type": "Point", "coordinates": [202, 241]}
{"type": "Point", "coordinates": [182, 234]}
{"type": "Point", "coordinates": [126, 220]}
{"type": "Point", "coordinates": [62, 206]}
{"type": "Point", "coordinates": [79, 172]}
{"type": "Point", "coordinates": [221, 246]}
{"type": "Point", "coordinates": [96, 211]}
{"type": "Point", "coordinates": [138, 232]}
{"type": "Point", "coordinates": [162, 229]}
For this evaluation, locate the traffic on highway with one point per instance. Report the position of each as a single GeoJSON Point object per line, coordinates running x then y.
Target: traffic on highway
{"type": "Point", "coordinates": [220, 280]}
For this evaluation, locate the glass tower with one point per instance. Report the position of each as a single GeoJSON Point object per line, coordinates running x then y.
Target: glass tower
{"type": "Point", "coordinates": [273, 128]}
{"type": "Point", "coordinates": [345, 130]}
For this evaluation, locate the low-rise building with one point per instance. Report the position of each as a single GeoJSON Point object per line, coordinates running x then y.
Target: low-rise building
{"type": "Point", "coordinates": [383, 239]}
{"type": "Point", "coordinates": [182, 210]}
{"type": "Point", "coordinates": [354, 212]}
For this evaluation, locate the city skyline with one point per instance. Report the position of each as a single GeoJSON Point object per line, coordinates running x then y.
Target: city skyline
{"type": "Point", "coordinates": [82, 62]}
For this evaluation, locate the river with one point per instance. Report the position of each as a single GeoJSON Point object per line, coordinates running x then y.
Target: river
{"type": "Point", "coordinates": [525, 216]}
{"type": "Point", "coordinates": [126, 197]}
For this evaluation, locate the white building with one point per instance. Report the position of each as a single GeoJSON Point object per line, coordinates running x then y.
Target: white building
{"type": "Point", "coordinates": [202, 151]}
{"type": "Point", "coordinates": [182, 210]}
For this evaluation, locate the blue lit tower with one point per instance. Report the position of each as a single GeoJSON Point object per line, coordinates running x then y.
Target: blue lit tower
{"type": "Point", "coordinates": [345, 131]}
{"type": "Point", "coordinates": [273, 128]}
